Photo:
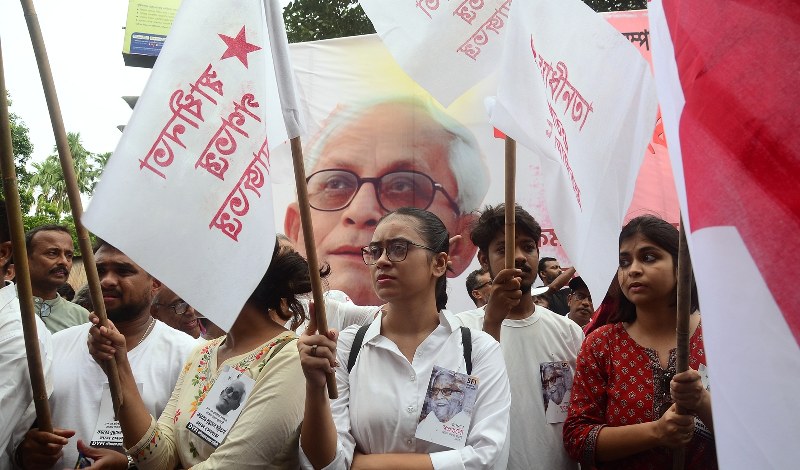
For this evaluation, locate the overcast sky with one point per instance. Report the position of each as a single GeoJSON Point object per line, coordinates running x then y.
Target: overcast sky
{"type": "Point", "coordinates": [84, 44]}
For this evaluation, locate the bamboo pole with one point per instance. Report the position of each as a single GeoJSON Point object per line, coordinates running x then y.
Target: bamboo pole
{"type": "Point", "coordinates": [68, 167]}
{"type": "Point", "coordinates": [511, 181]}
{"type": "Point", "coordinates": [684, 307]}
{"type": "Point", "coordinates": [311, 249]}
{"type": "Point", "coordinates": [24, 291]}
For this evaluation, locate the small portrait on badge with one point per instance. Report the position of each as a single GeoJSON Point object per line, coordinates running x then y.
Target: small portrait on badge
{"type": "Point", "coordinates": [556, 389]}
{"type": "Point", "coordinates": [447, 410]}
{"type": "Point", "coordinates": [231, 397]}
{"type": "Point", "coordinates": [221, 406]}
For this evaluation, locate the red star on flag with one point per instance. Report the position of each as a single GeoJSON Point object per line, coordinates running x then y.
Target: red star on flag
{"type": "Point", "coordinates": [238, 47]}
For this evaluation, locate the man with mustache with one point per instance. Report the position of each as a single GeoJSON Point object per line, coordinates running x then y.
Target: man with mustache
{"type": "Point", "coordinates": [530, 335]}
{"type": "Point", "coordinates": [50, 252]}
{"type": "Point", "coordinates": [580, 302]}
{"type": "Point", "coordinates": [156, 353]}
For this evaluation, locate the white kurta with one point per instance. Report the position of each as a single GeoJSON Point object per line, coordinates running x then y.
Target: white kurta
{"type": "Point", "coordinates": [75, 403]}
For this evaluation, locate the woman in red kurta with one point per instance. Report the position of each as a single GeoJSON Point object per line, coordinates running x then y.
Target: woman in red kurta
{"type": "Point", "coordinates": [622, 411]}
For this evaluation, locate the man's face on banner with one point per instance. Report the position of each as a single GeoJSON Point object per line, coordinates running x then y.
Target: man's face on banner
{"type": "Point", "coordinates": [386, 138]}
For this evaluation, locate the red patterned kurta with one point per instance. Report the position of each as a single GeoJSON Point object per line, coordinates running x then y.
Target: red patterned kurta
{"type": "Point", "coordinates": [617, 383]}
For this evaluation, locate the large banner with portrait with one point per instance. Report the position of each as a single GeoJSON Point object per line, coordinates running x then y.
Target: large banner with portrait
{"type": "Point", "coordinates": [377, 141]}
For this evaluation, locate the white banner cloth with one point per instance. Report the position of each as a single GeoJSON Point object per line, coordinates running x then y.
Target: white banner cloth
{"type": "Point", "coordinates": [446, 47]}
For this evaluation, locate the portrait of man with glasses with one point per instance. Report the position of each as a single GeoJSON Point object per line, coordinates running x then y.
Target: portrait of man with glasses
{"type": "Point", "coordinates": [372, 159]}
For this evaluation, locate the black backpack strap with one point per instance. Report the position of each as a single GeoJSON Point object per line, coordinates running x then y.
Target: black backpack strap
{"type": "Point", "coordinates": [354, 350]}
{"type": "Point", "coordinates": [466, 341]}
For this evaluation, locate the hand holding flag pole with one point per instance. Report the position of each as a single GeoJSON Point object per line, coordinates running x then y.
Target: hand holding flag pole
{"type": "Point", "coordinates": [684, 310]}
{"type": "Point", "coordinates": [311, 249]}
{"type": "Point", "coordinates": [24, 291]}
{"type": "Point", "coordinates": [67, 166]}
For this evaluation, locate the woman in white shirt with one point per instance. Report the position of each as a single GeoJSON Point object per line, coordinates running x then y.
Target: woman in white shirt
{"type": "Point", "coordinates": [383, 385]}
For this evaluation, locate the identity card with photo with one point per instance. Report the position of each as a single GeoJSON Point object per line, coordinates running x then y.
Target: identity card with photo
{"type": "Point", "coordinates": [447, 410]}
{"type": "Point", "coordinates": [221, 407]}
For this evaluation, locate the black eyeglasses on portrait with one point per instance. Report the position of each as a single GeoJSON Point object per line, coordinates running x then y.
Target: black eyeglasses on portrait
{"type": "Point", "coordinates": [444, 391]}
{"type": "Point", "coordinates": [396, 250]}
{"type": "Point", "coordinates": [179, 308]}
{"type": "Point", "coordinates": [334, 190]}
{"type": "Point", "coordinates": [487, 283]}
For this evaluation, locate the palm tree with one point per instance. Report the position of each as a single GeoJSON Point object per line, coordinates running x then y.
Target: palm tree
{"type": "Point", "coordinates": [48, 178]}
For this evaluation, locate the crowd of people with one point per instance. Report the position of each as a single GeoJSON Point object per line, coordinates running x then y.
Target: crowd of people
{"type": "Point", "coordinates": [515, 383]}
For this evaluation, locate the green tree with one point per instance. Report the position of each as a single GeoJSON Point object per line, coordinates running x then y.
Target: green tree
{"type": "Point", "coordinates": [310, 20]}
{"type": "Point", "coordinates": [23, 149]}
{"type": "Point", "coordinates": [48, 179]}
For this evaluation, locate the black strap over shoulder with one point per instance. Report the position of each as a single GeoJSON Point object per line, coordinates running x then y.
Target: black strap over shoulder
{"type": "Point", "coordinates": [354, 350]}
{"type": "Point", "coordinates": [466, 342]}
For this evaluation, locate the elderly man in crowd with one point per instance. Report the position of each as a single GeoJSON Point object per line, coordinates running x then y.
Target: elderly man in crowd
{"type": "Point", "coordinates": [479, 284]}
{"type": "Point", "coordinates": [378, 158]}
{"type": "Point", "coordinates": [168, 307]}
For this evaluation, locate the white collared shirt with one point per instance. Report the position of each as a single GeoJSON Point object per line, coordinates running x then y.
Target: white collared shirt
{"type": "Point", "coordinates": [379, 402]}
{"type": "Point", "coordinates": [16, 396]}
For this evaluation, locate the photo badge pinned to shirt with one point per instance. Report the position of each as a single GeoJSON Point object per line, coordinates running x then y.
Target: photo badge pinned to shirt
{"type": "Point", "coordinates": [556, 390]}
{"type": "Point", "coordinates": [107, 432]}
{"type": "Point", "coordinates": [221, 406]}
{"type": "Point", "coordinates": [447, 410]}
{"type": "Point", "coordinates": [703, 371]}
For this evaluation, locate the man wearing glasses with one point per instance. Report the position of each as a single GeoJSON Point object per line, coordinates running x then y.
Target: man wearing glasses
{"type": "Point", "coordinates": [172, 310]}
{"type": "Point", "coordinates": [580, 302]}
{"type": "Point", "coordinates": [378, 158]}
{"type": "Point", "coordinates": [479, 284]}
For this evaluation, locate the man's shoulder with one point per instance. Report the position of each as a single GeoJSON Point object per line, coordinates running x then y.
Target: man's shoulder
{"type": "Point", "coordinates": [69, 306]}
{"type": "Point", "coordinates": [68, 335]}
{"type": "Point", "coordinates": [175, 339]}
{"type": "Point", "coordinates": [552, 320]}
{"type": "Point", "coordinates": [471, 318]}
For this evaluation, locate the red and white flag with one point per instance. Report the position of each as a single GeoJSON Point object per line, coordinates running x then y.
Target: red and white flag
{"type": "Point", "coordinates": [187, 194]}
{"type": "Point", "coordinates": [728, 76]}
{"type": "Point", "coordinates": [446, 47]}
{"type": "Point", "coordinates": [577, 93]}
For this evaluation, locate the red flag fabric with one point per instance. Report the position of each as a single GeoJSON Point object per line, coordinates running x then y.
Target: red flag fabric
{"type": "Point", "coordinates": [728, 74]}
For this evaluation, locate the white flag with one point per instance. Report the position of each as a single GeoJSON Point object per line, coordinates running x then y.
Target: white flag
{"type": "Point", "coordinates": [447, 47]}
{"type": "Point", "coordinates": [577, 93]}
{"type": "Point", "coordinates": [187, 194]}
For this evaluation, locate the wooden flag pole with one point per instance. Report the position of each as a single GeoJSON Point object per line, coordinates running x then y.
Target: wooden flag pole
{"type": "Point", "coordinates": [684, 307]}
{"type": "Point", "coordinates": [68, 167]}
{"type": "Point", "coordinates": [24, 291]}
{"type": "Point", "coordinates": [511, 182]}
{"type": "Point", "coordinates": [311, 248]}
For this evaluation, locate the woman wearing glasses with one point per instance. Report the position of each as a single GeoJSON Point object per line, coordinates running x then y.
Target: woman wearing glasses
{"type": "Point", "coordinates": [622, 412]}
{"type": "Point", "coordinates": [244, 382]}
{"type": "Point", "coordinates": [383, 384]}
